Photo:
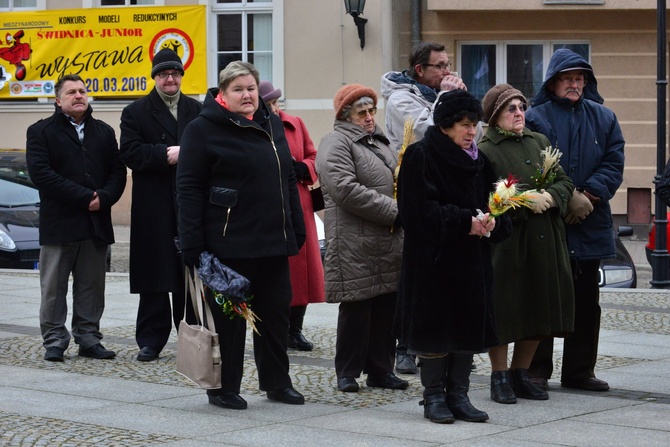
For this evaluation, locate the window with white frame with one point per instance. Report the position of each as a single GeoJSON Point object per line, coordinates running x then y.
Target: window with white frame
{"type": "Point", "coordinates": [244, 33]}
{"type": "Point", "coordinates": [8, 5]}
{"type": "Point", "coordinates": [521, 64]}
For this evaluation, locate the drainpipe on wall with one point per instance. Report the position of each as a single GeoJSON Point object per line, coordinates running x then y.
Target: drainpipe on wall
{"type": "Point", "coordinates": [416, 22]}
{"type": "Point", "coordinates": [659, 258]}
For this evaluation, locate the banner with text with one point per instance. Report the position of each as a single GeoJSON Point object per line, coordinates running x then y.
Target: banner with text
{"type": "Point", "coordinates": [111, 48]}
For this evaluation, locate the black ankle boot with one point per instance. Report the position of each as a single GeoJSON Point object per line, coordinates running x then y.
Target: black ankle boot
{"type": "Point", "coordinates": [458, 385]}
{"type": "Point", "coordinates": [296, 340]}
{"type": "Point", "coordinates": [523, 388]}
{"type": "Point", "coordinates": [501, 387]}
{"type": "Point", "coordinates": [435, 408]}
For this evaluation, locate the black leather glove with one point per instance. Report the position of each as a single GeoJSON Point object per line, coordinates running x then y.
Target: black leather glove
{"type": "Point", "coordinates": [301, 170]}
{"type": "Point", "coordinates": [191, 256]}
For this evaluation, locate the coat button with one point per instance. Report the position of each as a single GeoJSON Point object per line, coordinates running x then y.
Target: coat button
{"type": "Point", "coordinates": [527, 162]}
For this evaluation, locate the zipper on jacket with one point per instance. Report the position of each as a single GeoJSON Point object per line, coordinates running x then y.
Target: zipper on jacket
{"type": "Point", "coordinates": [225, 227]}
{"type": "Point", "coordinates": [281, 189]}
{"type": "Point", "coordinates": [281, 186]}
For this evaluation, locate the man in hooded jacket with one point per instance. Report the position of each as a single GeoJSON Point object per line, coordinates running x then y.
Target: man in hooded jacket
{"type": "Point", "coordinates": [568, 110]}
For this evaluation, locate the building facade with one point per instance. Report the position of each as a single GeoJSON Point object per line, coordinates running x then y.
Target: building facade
{"type": "Point", "coordinates": [310, 49]}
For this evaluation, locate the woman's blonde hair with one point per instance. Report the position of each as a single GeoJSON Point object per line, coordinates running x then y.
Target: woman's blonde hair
{"type": "Point", "coordinates": [234, 70]}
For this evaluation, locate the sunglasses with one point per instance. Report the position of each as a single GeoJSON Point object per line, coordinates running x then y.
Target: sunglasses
{"type": "Point", "coordinates": [522, 107]}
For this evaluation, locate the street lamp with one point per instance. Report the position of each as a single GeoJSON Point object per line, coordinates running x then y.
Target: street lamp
{"type": "Point", "coordinates": [355, 8]}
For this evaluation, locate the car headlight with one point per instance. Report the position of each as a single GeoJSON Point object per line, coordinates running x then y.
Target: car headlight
{"type": "Point", "coordinates": [6, 242]}
{"type": "Point", "coordinates": [617, 275]}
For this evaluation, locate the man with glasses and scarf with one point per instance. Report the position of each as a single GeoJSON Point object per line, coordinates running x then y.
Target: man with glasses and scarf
{"type": "Point", "coordinates": [411, 93]}
{"type": "Point", "coordinates": [151, 129]}
{"type": "Point", "coordinates": [568, 110]}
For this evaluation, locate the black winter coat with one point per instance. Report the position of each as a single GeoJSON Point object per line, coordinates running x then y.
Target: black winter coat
{"type": "Point", "coordinates": [236, 188]}
{"type": "Point", "coordinates": [147, 129]}
{"type": "Point", "coordinates": [445, 298]}
{"type": "Point", "coordinates": [67, 172]}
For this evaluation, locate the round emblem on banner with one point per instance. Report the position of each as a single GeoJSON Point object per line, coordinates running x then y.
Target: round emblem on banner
{"type": "Point", "coordinates": [48, 87]}
{"type": "Point", "coordinates": [175, 40]}
{"type": "Point", "coordinates": [16, 88]}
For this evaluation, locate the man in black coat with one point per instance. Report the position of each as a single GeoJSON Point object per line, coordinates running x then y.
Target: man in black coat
{"type": "Point", "coordinates": [73, 159]}
{"type": "Point", "coordinates": [151, 129]}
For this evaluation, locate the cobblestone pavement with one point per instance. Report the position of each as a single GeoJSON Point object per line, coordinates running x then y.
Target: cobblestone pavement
{"type": "Point", "coordinates": [312, 373]}
{"type": "Point", "coordinates": [641, 318]}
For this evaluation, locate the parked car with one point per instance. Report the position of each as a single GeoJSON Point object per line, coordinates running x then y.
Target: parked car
{"type": "Point", "coordinates": [19, 214]}
{"type": "Point", "coordinates": [321, 235]}
{"type": "Point", "coordinates": [619, 271]}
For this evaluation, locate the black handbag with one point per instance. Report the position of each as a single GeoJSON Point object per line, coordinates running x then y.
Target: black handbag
{"type": "Point", "coordinates": [317, 198]}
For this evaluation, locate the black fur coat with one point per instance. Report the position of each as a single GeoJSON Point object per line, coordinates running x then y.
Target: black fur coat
{"type": "Point", "coordinates": [445, 295]}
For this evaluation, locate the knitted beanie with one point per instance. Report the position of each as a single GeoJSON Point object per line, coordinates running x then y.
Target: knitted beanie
{"type": "Point", "coordinates": [348, 94]}
{"type": "Point", "coordinates": [496, 98]}
{"type": "Point", "coordinates": [166, 59]}
{"type": "Point", "coordinates": [453, 102]}
{"type": "Point", "coordinates": [268, 92]}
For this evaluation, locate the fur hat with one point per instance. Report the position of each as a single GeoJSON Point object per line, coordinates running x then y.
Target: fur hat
{"type": "Point", "coordinates": [268, 92]}
{"type": "Point", "coordinates": [496, 98]}
{"type": "Point", "coordinates": [348, 94]}
{"type": "Point", "coordinates": [453, 102]}
{"type": "Point", "coordinates": [166, 59]}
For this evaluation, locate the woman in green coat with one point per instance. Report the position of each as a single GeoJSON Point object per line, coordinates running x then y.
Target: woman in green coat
{"type": "Point", "coordinates": [533, 293]}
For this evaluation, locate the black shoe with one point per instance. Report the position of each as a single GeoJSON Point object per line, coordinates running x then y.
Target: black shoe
{"type": "Point", "coordinates": [389, 381]}
{"type": "Point", "coordinates": [405, 364]}
{"type": "Point", "coordinates": [435, 409]}
{"type": "Point", "coordinates": [501, 388]}
{"type": "Point", "coordinates": [147, 354]}
{"type": "Point", "coordinates": [54, 354]}
{"type": "Point", "coordinates": [590, 384]}
{"type": "Point", "coordinates": [97, 352]}
{"type": "Point", "coordinates": [286, 395]}
{"type": "Point", "coordinates": [540, 382]}
{"type": "Point", "coordinates": [231, 400]}
{"type": "Point", "coordinates": [347, 385]}
{"type": "Point", "coordinates": [523, 388]}
{"type": "Point", "coordinates": [299, 342]}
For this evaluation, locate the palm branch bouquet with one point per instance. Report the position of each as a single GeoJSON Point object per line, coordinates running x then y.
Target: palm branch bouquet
{"type": "Point", "coordinates": [545, 174]}
{"type": "Point", "coordinates": [507, 196]}
{"type": "Point", "coordinates": [407, 139]}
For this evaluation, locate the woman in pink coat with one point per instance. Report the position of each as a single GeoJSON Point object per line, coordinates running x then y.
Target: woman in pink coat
{"type": "Point", "coordinates": [306, 267]}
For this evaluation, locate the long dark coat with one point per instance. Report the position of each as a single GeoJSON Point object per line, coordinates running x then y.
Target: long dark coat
{"type": "Point", "coordinates": [147, 129]}
{"type": "Point", "coordinates": [445, 301]}
{"type": "Point", "coordinates": [534, 296]}
{"type": "Point", "coordinates": [67, 172]}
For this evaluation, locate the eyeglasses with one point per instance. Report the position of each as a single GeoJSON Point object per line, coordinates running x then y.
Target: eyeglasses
{"type": "Point", "coordinates": [569, 80]}
{"type": "Point", "coordinates": [364, 113]}
{"type": "Point", "coordinates": [522, 107]}
{"type": "Point", "coordinates": [165, 75]}
{"type": "Point", "coordinates": [440, 67]}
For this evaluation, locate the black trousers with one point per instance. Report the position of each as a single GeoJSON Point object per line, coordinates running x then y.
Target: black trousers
{"type": "Point", "coordinates": [155, 317]}
{"type": "Point", "coordinates": [580, 349]}
{"type": "Point", "coordinates": [365, 341]}
{"type": "Point", "coordinates": [271, 290]}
